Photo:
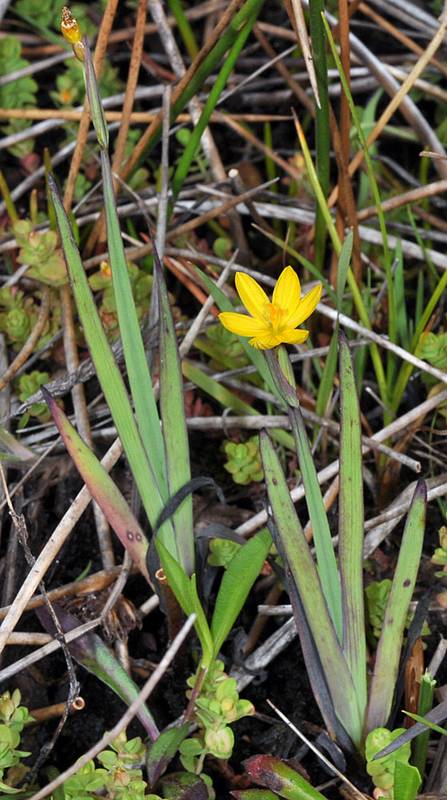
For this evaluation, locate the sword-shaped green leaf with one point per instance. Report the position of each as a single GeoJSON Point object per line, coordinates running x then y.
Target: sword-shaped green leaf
{"type": "Point", "coordinates": [350, 527]}
{"type": "Point", "coordinates": [274, 774]}
{"type": "Point", "coordinates": [140, 381]}
{"type": "Point", "coordinates": [236, 583]}
{"type": "Point", "coordinates": [109, 375]}
{"type": "Point", "coordinates": [102, 488]}
{"type": "Point", "coordinates": [175, 434]}
{"type": "Point", "coordinates": [390, 642]}
{"type": "Point", "coordinates": [185, 591]}
{"type": "Point", "coordinates": [90, 651]}
{"type": "Point", "coordinates": [306, 579]}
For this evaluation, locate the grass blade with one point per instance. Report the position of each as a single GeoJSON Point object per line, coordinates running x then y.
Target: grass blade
{"type": "Point", "coordinates": [306, 578]}
{"type": "Point", "coordinates": [135, 357]}
{"type": "Point", "coordinates": [327, 564]}
{"type": "Point", "coordinates": [102, 488]}
{"type": "Point", "coordinates": [236, 583]}
{"type": "Point", "coordinates": [213, 97]}
{"type": "Point", "coordinates": [107, 371]}
{"type": "Point", "coordinates": [322, 127]}
{"type": "Point", "coordinates": [350, 530]}
{"type": "Point", "coordinates": [389, 647]}
{"type": "Point", "coordinates": [185, 591]}
{"type": "Point", "coordinates": [175, 434]}
{"type": "Point", "coordinates": [90, 651]}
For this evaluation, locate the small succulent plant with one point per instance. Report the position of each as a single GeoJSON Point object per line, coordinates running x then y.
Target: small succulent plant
{"type": "Point", "coordinates": [28, 385]}
{"type": "Point", "coordinates": [382, 770]}
{"type": "Point", "coordinates": [13, 718]}
{"type": "Point", "coordinates": [40, 250]}
{"type": "Point", "coordinates": [244, 461]}
{"type": "Point", "coordinates": [217, 706]}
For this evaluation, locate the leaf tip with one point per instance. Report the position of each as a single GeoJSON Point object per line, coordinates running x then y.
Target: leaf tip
{"type": "Point", "coordinates": [420, 492]}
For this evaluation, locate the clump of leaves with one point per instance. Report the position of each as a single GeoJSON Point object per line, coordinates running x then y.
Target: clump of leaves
{"type": "Point", "coordinates": [244, 461]}
{"type": "Point", "coordinates": [216, 708]}
{"type": "Point", "coordinates": [432, 347]}
{"type": "Point", "coordinates": [40, 250]}
{"type": "Point", "coordinates": [13, 718]}
{"type": "Point", "coordinates": [20, 93]}
{"type": "Point", "coordinates": [224, 347]}
{"type": "Point", "coordinates": [388, 771]}
{"type": "Point", "coordinates": [18, 315]}
{"type": "Point", "coordinates": [119, 777]}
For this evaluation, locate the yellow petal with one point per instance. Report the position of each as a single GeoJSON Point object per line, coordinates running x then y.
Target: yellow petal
{"type": "Point", "coordinates": [266, 342]}
{"type": "Point", "coordinates": [293, 336]}
{"type": "Point", "coordinates": [287, 291]}
{"type": "Point", "coordinates": [306, 307]}
{"type": "Point", "coordinates": [252, 295]}
{"type": "Point", "coordinates": [241, 324]}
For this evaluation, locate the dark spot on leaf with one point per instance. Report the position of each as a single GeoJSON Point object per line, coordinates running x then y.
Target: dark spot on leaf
{"type": "Point", "coordinates": [275, 482]}
{"type": "Point", "coordinates": [130, 536]}
{"type": "Point", "coordinates": [406, 582]}
{"type": "Point", "coordinates": [138, 537]}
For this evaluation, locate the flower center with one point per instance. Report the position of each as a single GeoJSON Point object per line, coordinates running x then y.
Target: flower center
{"type": "Point", "coordinates": [274, 316]}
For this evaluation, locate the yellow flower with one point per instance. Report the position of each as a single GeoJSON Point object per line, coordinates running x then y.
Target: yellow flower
{"type": "Point", "coordinates": [275, 322]}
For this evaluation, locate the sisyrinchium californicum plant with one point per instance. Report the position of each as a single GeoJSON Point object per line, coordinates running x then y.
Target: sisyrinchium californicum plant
{"type": "Point", "coordinates": [327, 594]}
{"type": "Point", "coordinates": [155, 441]}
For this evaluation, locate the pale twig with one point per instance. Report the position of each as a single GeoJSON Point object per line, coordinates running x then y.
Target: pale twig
{"type": "Point", "coordinates": [329, 472]}
{"type": "Point", "coordinates": [46, 650]}
{"type": "Point", "coordinates": [303, 38]}
{"type": "Point", "coordinates": [347, 322]}
{"type": "Point", "coordinates": [311, 746]}
{"type": "Point", "coordinates": [51, 549]}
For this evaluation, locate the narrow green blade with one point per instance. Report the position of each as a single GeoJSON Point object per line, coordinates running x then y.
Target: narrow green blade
{"type": "Point", "coordinates": [327, 563]}
{"type": "Point", "coordinates": [107, 370]}
{"type": "Point", "coordinates": [350, 527]}
{"type": "Point", "coordinates": [185, 591]}
{"type": "Point", "coordinates": [306, 579]}
{"type": "Point", "coordinates": [135, 357]}
{"type": "Point", "coordinates": [237, 581]}
{"type": "Point", "coordinates": [175, 434]}
{"type": "Point", "coordinates": [90, 651]}
{"type": "Point", "coordinates": [390, 642]}
{"type": "Point", "coordinates": [102, 488]}
{"type": "Point", "coordinates": [213, 96]}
